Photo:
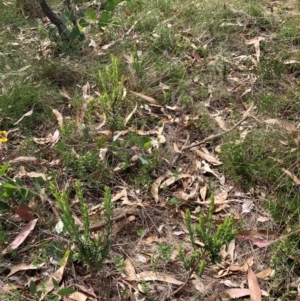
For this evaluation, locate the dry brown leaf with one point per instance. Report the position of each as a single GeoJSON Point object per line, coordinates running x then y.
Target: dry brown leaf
{"type": "Point", "coordinates": [142, 258]}
{"type": "Point", "coordinates": [157, 276]}
{"type": "Point", "coordinates": [231, 249]}
{"type": "Point", "coordinates": [250, 261]}
{"type": "Point", "coordinates": [183, 196]}
{"type": "Point", "coordinates": [130, 115]}
{"type": "Point", "coordinates": [289, 62]}
{"type": "Point", "coordinates": [199, 285]}
{"type": "Point", "coordinates": [197, 57]}
{"type": "Point", "coordinates": [218, 149]}
{"type": "Point", "coordinates": [220, 198]}
{"type": "Point", "coordinates": [64, 93]}
{"type": "Point", "coordinates": [130, 270]}
{"type": "Point", "coordinates": [47, 286]}
{"type": "Point", "coordinates": [255, 42]}
{"type": "Point", "coordinates": [53, 139]}
{"type": "Point", "coordinates": [87, 98]}
{"type": "Point", "coordinates": [132, 204]}
{"type": "Point", "coordinates": [288, 126]}
{"type": "Point", "coordinates": [209, 158]}
{"type": "Point", "coordinates": [263, 219]}
{"type": "Point", "coordinates": [283, 124]}
{"type": "Point", "coordinates": [24, 267]}
{"type": "Point", "coordinates": [255, 292]}
{"type": "Point", "coordinates": [229, 283]}
{"type": "Point", "coordinates": [264, 273]}
{"type": "Point", "coordinates": [23, 159]}
{"type": "Point", "coordinates": [261, 243]}
{"type": "Point", "coordinates": [220, 207]}
{"type": "Point", "coordinates": [292, 176]}
{"type": "Point", "coordinates": [145, 97]}
{"type": "Point", "coordinates": [29, 113]}
{"type": "Point", "coordinates": [249, 110]}
{"type": "Point", "coordinates": [176, 149]}
{"type": "Point", "coordinates": [237, 292]}
{"type": "Point", "coordinates": [283, 142]}
{"type": "Point", "coordinates": [24, 211]}
{"type": "Point", "coordinates": [203, 191]}
{"type": "Point", "coordinates": [239, 268]}
{"type": "Point", "coordinates": [246, 91]}
{"type": "Point", "coordinates": [78, 296]}
{"type": "Point", "coordinates": [59, 117]}
{"type": "Point", "coordinates": [242, 267]}
{"type": "Point", "coordinates": [259, 233]}
{"type": "Point", "coordinates": [271, 121]}
{"type": "Point", "coordinates": [88, 291]}
{"type": "Point", "coordinates": [220, 121]}
{"type": "Point", "coordinates": [155, 187]}
{"type": "Point", "coordinates": [222, 273]}
{"type": "Point", "coordinates": [179, 233]}
{"type": "Point", "coordinates": [86, 90]}
{"type": "Point", "coordinates": [206, 169]}
{"type": "Point", "coordinates": [102, 153]}
{"type": "Point", "coordinates": [11, 287]}
{"type": "Point", "coordinates": [21, 236]}
{"type": "Point", "coordinates": [247, 206]}
{"type": "Point", "coordinates": [147, 133]}
{"type": "Point", "coordinates": [131, 218]}
{"type": "Point", "coordinates": [150, 240]}
{"type": "Point", "coordinates": [128, 58]}
{"type": "Point", "coordinates": [22, 172]}
{"type": "Point", "coordinates": [174, 179]}
{"type": "Point", "coordinates": [120, 195]}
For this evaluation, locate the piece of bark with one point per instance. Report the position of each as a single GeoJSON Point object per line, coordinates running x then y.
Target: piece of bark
{"type": "Point", "coordinates": [54, 19]}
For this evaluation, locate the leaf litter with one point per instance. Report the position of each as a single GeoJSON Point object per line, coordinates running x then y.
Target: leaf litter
{"type": "Point", "coordinates": [188, 185]}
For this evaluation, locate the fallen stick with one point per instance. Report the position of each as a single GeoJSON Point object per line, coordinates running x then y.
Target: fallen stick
{"type": "Point", "coordinates": [115, 220]}
{"type": "Point", "coordinates": [212, 137]}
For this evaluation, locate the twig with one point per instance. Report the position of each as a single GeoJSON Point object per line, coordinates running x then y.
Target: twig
{"type": "Point", "coordinates": [184, 284]}
{"type": "Point", "coordinates": [212, 137]}
{"type": "Point", "coordinates": [127, 283]}
{"type": "Point", "coordinates": [184, 145]}
{"type": "Point", "coordinates": [187, 278]}
{"type": "Point", "coordinates": [54, 19]}
{"type": "Point", "coordinates": [115, 219]}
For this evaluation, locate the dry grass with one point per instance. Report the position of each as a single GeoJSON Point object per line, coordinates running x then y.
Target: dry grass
{"type": "Point", "coordinates": [203, 63]}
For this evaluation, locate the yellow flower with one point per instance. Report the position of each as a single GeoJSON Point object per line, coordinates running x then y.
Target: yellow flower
{"type": "Point", "coordinates": [3, 137]}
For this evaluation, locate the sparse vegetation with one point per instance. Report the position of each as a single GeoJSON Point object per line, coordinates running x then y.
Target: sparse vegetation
{"type": "Point", "coordinates": [100, 184]}
{"type": "Point", "coordinates": [92, 252]}
{"type": "Point", "coordinates": [213, 240]}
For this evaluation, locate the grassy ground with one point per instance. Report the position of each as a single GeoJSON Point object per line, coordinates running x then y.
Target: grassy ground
{"type": "Point", "coordinates": [203, 63]}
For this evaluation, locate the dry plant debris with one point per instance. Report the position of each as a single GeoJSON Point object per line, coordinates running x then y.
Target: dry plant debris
{"type": "Point", "coordinates": [170, 106]}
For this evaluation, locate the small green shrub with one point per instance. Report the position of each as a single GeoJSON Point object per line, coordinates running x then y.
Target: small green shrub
{"type": "Point", "coordinates": [112, 99]}
{"type": "Point", "coordinates": [91, 252]}
{"type": "Point", "coordinates": [165, 251]}
{"type": "Point", "coordinates": [120, 264]}
{"type": "Point", "coordinates": [84, 164]}
{"type": "Point", "coordinates": [15, 190]}
{"type": "Point", "coordinates": [213, 239]}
